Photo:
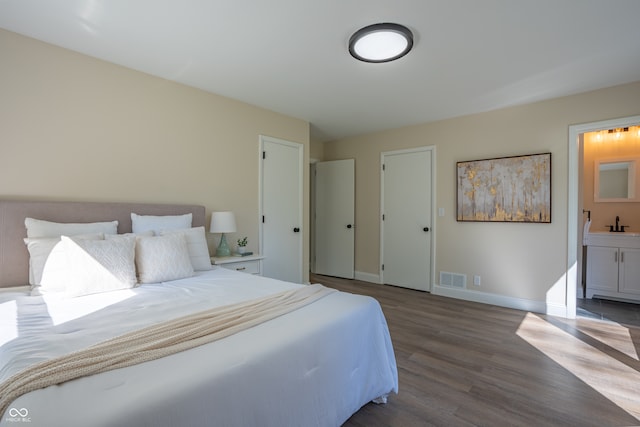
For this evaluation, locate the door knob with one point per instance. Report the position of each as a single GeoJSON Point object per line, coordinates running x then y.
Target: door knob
{"type": "Point", "coordinates": [349, 225]}
{"type": "Point", "coordinates": [425, 229]}
{"type": "Point", "coordinates": [296, 229]}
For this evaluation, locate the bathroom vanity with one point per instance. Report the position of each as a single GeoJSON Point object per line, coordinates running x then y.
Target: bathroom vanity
{"type": "Point", "coordinates": [613, 265]}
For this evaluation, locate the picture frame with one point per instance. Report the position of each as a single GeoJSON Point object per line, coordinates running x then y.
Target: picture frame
{"type": "Point", "coordinates": [504, 189]}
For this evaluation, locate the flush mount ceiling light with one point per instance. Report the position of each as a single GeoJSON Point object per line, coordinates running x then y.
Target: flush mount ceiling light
{"type": "Point", "coordinates": [381, 42]}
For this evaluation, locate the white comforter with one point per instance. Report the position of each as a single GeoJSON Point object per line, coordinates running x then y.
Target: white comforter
{"type": "Point", "coordinates": [315, 366]}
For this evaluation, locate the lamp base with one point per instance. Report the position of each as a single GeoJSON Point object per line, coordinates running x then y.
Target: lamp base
{"type": "Point", "coordinates": [223, 248]}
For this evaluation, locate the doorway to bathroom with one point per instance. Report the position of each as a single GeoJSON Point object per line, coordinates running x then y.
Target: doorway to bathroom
{"type": "Point", "coordinates": [590, 145]}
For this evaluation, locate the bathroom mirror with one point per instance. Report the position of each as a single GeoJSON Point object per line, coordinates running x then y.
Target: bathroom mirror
{"type": "Point", "coordinates": [615, 180]}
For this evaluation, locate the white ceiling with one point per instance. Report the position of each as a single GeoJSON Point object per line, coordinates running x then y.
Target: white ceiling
{"type": "Point", "coordinates": [291, 56]}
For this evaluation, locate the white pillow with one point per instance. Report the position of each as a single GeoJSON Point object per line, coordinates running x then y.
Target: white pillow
{"type": "Point", "coordinates": [40, 249]}
{"type": "Point", "coordinates": [142, 223]}
{"type": "Point", "coordinates": [197, 246]}
{"type": "Point", "coordinates": [99, 265]}
{"type": "Point", "coordinates": [117, 236]}
{"type": "Point", "coordinates": [162, 258]}
{"type": "Point", "coordinates": [40, 228]}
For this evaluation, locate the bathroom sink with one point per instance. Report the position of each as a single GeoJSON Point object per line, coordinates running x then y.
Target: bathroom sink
{"type": "Point", "coordinates": [612, 233]}
{"type": "Point", "coordinates": [605, 238]}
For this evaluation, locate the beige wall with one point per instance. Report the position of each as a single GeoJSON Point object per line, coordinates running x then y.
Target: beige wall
{"type": "Point", "coordinates": [608, 147]}
{"type": "Point", "coordinates": [77, 128]}
{"type": "Point", "coordinates": [317, 150]}
{"type": "Point", "coordinates": [521, 261]}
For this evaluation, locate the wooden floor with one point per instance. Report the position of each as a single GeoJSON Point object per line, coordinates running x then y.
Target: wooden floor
{"type": "Point", "coordinates": [469, 364]}
{"type": "Point", "coordinates": [616, 311]}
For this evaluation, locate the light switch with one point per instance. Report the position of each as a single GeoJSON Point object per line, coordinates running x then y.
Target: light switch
{"type": "Point", "coordinates": [440, 211]}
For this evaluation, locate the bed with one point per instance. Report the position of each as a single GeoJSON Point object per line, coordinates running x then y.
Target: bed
{"type": "Point", "coordinates": [313, 366]}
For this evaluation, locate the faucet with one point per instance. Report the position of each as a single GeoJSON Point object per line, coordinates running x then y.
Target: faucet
{"type": "Point", "coordinates": [618, 228]}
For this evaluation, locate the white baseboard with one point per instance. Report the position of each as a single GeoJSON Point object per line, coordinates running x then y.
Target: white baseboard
{"type": "Point", "coordinates": [501, 300]}
{"type": "Point", "coordinates": [483, 297]}
{"type": "Point", "coordinates": [557, 310]}
{"type": "Point", "coordinates": [367, 277]}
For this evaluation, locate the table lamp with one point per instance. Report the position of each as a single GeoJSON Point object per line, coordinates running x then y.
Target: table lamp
{"type": "Point", "coordinates": [223, 222]}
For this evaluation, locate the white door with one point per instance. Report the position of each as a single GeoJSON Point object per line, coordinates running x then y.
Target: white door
{"type": "Point", "coordinates": [334, 218]}
{"type": "Point", "coordinates": [406, 248]}
{"type": "Point", "coordinates": [281, 207]}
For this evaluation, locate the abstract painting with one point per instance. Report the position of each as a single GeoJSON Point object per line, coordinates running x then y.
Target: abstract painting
{"type": "Point", "coordinates": [506, 189]}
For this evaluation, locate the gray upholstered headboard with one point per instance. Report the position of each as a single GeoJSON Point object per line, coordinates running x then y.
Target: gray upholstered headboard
{"type": "Point", "coordinates": [14, 257]}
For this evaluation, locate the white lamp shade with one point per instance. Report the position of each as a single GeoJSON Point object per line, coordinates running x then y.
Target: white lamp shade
{"type": "Point", "coordinates": [222, 222]}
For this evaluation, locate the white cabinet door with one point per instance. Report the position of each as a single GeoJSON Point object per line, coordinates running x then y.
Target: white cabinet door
{"type": "Point", "coordinates": [630, 271]}
{"type": "Point", "coordinates": [602, 269]}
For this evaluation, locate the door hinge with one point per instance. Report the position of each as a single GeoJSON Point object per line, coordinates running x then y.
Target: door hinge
{"type": "Point", "coordinates": [382, 267]}
{"type": "Point", "coordinates": [383, 217]}
{"type": "Point", "coordinates": [383, 166]}
{"type": "Point", "coordinates": [264, 155]}
{"type": "Point", "coordinates": [263, 219]}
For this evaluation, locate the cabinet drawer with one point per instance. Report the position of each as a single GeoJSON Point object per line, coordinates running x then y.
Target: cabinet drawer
{"type": "Point", "coordinates": [252, 267]}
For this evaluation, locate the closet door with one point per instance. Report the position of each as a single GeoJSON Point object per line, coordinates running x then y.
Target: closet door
{"type": "Point", "coordinates": [281, 209]}
{"type": "Point", "coordinates": [334, 218]}
{"type": "Point", "coordinates": [406, 247]}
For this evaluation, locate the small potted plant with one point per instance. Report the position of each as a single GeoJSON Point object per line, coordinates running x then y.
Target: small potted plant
{"type": "Point", "coordinates": [242, 245]}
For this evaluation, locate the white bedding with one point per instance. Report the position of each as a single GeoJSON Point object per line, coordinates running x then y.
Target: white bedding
{"type": "Point", "coordinates": [313, 367]}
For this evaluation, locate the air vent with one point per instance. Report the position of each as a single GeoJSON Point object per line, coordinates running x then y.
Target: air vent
{"type": "Point", "coordinates": [453, 280]}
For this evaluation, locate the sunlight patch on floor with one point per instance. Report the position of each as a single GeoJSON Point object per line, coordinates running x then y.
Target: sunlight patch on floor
{"type": "Point", "coordinates": [613, 379]}
{"type": "Point", "coordinates": [613, 334]}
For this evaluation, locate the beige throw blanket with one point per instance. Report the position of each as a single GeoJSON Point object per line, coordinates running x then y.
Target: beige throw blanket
{"type": "Point", "coordinates": [158, 341]}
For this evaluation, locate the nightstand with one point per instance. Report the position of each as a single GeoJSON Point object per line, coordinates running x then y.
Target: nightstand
{"type": "Point", "coordinates": [247, 264]}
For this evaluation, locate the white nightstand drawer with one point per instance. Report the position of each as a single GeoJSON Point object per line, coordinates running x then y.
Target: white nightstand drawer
{"type": "Point", "coordinates": [252, 267]}
{"type": "Point", "coordinates": [251, 264]}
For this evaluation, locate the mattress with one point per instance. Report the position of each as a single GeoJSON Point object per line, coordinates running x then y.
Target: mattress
{"type": "Point", "coordinates": [315, 366]}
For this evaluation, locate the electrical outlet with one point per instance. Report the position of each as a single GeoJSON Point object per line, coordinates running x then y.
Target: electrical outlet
{"type": "Point", "coordinates": [476, 280]}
